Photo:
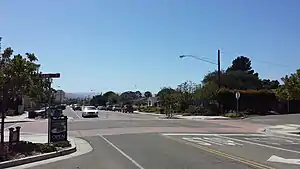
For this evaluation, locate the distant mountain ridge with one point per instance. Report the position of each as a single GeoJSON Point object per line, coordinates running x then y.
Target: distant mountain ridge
{"type": "Point", "coordinates": [78, 95]}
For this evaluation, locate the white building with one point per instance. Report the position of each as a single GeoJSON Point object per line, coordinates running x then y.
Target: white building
{"type": "Point", "coordinates": [60, 96]}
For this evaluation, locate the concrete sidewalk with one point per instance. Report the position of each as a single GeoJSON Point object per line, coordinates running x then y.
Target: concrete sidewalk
{"type": "Point", "coordinates": [188, 117]}
{"type": "Point", "coordinates": [285, 130]}
{"type": "Point", "coordinates": [78, 147]}
{"type": "Point", "coordinates": [16, 119]}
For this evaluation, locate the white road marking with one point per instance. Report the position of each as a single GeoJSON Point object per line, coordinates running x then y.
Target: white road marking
{"type": "Point", "coordinates": [277, 159]}
{"type": "Point", "coordinates": [196, 141]}
{"type": "Point", "coordinates": [211, 141]}
{"type": "Point", "coordinates": [120, 151]}
{"type": "Point", "coordinates": [258, 144]}
{"type": "Point", "coordinates": [77, 115]}
{"type": "Point", "coordinates": [206, 134]}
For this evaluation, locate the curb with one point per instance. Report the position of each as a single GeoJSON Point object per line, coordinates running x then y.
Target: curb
{"type": "Point", "coordinates": [21, 121]}
{"type": "Point", "coordinates": [274, 133]}
{"type": "Point", "coordinates": [31, 159]}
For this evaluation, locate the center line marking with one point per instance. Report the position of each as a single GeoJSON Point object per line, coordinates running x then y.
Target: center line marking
{"type": "Point", "coordinates": [120, 151]}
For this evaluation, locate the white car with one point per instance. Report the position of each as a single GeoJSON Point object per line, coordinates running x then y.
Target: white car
{"type": "Point", "coordinates": [90, 111]}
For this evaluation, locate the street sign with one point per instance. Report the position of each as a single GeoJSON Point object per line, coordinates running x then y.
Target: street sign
{"type": "Point", "coordinates": [237, 95]}
{"type": "Point", "coordinates": [50, 75]}
{"type": "Point", "coordinates": [58, 130]}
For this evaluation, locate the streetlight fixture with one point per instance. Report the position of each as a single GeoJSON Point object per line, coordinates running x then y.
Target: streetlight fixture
{"type": "Point", "coordinates": [205, 60]}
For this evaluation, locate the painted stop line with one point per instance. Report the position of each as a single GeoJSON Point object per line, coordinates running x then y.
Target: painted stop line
{"type": "Point", "coordinates": [207, 141]}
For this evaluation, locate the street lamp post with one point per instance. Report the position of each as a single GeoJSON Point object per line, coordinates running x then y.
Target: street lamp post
{"type": "Point", "coordinates": [204, 60]}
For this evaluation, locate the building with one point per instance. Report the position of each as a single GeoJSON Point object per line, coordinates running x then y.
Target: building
{"type": "Point", "coordinates": [152, 101]}
{"type": "Point", "coordinates": [59, 96]}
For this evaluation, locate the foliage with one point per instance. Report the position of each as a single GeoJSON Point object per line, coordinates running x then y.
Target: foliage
{"type": "Point", "coordinates": [19, 76]}
{"type": "Point", "coordinates": [148, 94]}
{"type": "Point", "coordinates": [258, 96]}
{"type": "Point", "coordinates": [290, 89]}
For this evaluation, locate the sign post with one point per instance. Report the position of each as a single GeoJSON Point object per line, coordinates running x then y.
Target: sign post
{"type": "Point", "coordinates": [58, 129]}
{"type": "Point", "coordinates": [237, 96]}
{"type": "Point", "coordinates": [49, 76]}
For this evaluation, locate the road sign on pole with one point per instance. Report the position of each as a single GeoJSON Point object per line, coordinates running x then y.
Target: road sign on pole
{"type": "Point", "coordinates": [237, 96]}
{"type": "Point", "coordinates": [50, 75]}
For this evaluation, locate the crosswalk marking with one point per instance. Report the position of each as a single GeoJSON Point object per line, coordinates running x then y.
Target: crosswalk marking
{"type": "Point", "coordinates": [207, 141]}
{"type": "Point", "coordinates": [196, 141]}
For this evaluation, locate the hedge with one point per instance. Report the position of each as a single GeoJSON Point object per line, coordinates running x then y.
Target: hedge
{"type": "Point", "coordinates": [253, 101]}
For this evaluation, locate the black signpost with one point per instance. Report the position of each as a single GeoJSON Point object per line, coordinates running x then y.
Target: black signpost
{"type": "Point", "coordinates": [58, 129]}
{"type": "Point", "coordinates": [57, 125]}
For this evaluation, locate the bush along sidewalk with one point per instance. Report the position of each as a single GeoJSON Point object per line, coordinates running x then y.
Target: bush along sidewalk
{"type": "Point", "coordinates": [24, 149]}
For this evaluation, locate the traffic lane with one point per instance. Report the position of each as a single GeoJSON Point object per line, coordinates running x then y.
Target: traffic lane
{"type": "Point", "coordinates": [272, 141]}
{"type": "Point", "coordinates": [105, 124]}
{"type": "Point", "coordinates": [102, 156]}
{"type": "Point", "coordinates": [69, 112]}
{"type": "Point", "coordinates": [156, 151]}
{"type": "Point", "coordinates": [122, 116]}
{"type": "Point", "coordinates": [248, 151]}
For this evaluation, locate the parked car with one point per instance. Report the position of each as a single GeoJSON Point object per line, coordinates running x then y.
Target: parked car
{"type": "Point", "coordinates": [116, 108]}
{"type": "Point", "coordinates": [90, 111]}
{"type": "Point", "coordinates": [77, 108]}
{"type": "Point", "coordinates": [109, 108]}
{"type": "Point", "coordinates": [127, 109]}
{"type": "Point", "coordinates": [101, 108]}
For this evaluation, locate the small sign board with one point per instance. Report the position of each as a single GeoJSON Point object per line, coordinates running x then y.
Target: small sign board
{"type": "Point", "coordinates": [237, 95]}
{"type": "Point", "coordinates": [50, 75]}
{"type": "Point", "coordinates": [15, 136]}
{"type": "Point", "coordinates": [58, 130]}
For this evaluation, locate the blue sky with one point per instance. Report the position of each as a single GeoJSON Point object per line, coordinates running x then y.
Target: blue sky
{"type": "Point", "coordinates": [134, 44]}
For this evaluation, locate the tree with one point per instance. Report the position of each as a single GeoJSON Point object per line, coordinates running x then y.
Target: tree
{"type": "Point", "coordinates": [165, 90]}
{"type": "Point", "coordinates": [128, 97]}
{"type": "Point", "coordinates": [290, 90]}
{"type": "Point", "coordinates": [19, 77]}
{"type": "Point", "coordinates": [241, 63]}
{"type": "Point", "coordinates": [138, 94]}
{"type": "Point", "coordinates": [270, 84]}
{"type": "Point", "coordinates": [185, 94]}
{"type": "Point", "coordinates": [148, 94]}
{"type": "Point", "coordinates": [206, 92]}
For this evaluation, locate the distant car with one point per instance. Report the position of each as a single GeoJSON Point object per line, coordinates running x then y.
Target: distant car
{"type": "Point", "coordinates": [109, 108]}
{"type": "Point", "coordinates": [90, 111]}
{"type": "Point", "coordinates": [77, 108]}
{"type": "Point", "coordinates": [127, 109]}
{"type": "Point", "coordinates": [116, 108]}
{"type": "Point", "coordinates": [101, 108]}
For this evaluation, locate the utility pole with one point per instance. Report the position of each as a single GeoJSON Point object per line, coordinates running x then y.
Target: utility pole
{"type": "Point", "coordinates": [2, 106]}
{"type": "Point", "coordinates": [219, 76]}
{"type": "Point", "coordinates": [219, 68]}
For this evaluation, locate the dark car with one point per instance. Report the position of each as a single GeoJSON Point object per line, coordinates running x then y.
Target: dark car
{"type": "Point", "coordinates": [77, 108]}
{"type": "Point", "coordinates": [116, 108]}
{"type": "Point", "coordinates": [127, 109]}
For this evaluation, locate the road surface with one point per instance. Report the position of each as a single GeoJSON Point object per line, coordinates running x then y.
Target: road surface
{"type": "Point", "coordinates": [122, 141]}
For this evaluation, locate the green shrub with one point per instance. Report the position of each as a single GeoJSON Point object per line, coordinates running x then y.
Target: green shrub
{"type": "Point", "coordinates": [62, 144]}
{"type": "Point", "coordinates": [46, 148]}
{"type": "Point", "coordinates": [234, 115]}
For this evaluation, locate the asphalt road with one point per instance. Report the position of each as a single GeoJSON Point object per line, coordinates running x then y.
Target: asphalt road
{"type": "Point", "coordinates": [276, 119]}
{"type": "Point", "coordinates": [144, 142]}
{"type": "Point", "coordinates": [143, 151]}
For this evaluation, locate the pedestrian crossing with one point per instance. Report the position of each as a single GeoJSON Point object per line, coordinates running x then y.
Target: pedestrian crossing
{"type": "Point", "coordinates": [208, 141]}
